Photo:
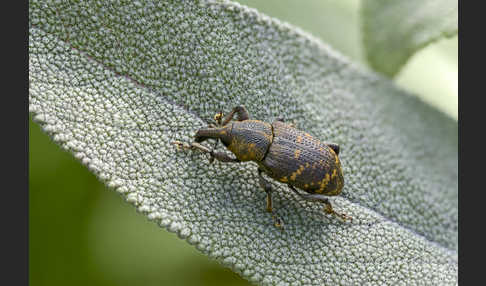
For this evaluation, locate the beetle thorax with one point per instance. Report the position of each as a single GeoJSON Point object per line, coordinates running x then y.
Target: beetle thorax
{"type": "Point", "coordinates": [250, 139]}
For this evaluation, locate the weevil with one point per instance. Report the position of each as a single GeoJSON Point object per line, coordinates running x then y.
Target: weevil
{"type": "Point", "coordinates": [283, 152]}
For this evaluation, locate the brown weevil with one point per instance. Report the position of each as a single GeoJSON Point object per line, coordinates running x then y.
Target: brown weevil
{"type": "Point", "coordinates": [284, 153]}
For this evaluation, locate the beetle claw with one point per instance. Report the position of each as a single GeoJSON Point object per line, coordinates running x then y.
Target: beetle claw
{"type": "Point", "coordinates": [278, 222]}
{"type": "Point", "coordinates": [181, 145]}
{"type": "Point", "coordinates": [329, 210]}
{"type": "Point", "coordinates": [344, 217]}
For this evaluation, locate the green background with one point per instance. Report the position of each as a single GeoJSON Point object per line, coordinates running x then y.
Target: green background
{"type": "Point", "coordinates": [82, 233]}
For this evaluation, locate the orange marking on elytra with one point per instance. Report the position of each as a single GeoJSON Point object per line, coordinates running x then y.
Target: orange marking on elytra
{"type": "Point", "coordinates": [323, 183]}
{"type": "Point", "coordinates": [297, 154]}
{"type": "Point", "coordinates": [297, 172]}
{"type": "Point", "coordinates": [334, 173]}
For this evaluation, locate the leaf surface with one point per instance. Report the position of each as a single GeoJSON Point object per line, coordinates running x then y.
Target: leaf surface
{"type": "Point", "coordinates": [116, 82]}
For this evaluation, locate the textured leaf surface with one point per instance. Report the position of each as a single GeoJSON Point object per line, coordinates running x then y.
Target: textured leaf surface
{"type": "Point", "coordinates": [116, 82]}
{"type": "Point", "coordinates": [394, 30]}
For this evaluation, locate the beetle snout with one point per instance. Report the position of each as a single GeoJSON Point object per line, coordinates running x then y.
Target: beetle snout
{"type": "Point", "coordinates": [214, 133]}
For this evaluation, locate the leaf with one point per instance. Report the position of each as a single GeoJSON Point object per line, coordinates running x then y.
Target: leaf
{"type": "Point", "coordinates": [394, 30]}
{"type": "Point", "coordinates": [116, 82]}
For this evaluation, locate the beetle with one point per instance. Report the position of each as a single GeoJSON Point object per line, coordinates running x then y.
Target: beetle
{"type": "Point", "coordinates": [283, 152]}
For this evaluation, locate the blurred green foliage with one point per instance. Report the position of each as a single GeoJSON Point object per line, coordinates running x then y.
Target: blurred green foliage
{"type": "Point", "coordinates": [431, 74]}
{"type": "Point", "coordinates": [83, 234]}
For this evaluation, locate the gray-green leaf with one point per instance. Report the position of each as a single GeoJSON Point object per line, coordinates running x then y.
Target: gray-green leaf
{"type": "Point", "coordinates": [115, 82]}
{"type": "Point", "coordinates": [394, 30]}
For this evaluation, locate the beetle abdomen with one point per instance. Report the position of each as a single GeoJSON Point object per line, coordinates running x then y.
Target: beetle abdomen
{"type": "Point", "coordinates": [298, 159]}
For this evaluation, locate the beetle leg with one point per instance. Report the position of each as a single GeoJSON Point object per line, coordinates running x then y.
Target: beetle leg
{"type": "Point", "coordinates": [241, 114]}
{"type": "Point", "coordinates": [220, 156]}
{"type": "Point", "coordinates": [268, 189]}
{"type": "Point", "coordinates": [320, 198]}
{"type": "Point", "coordinates": [334, 147]}
{"type": "Point", "coordinates": [217, 117]}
